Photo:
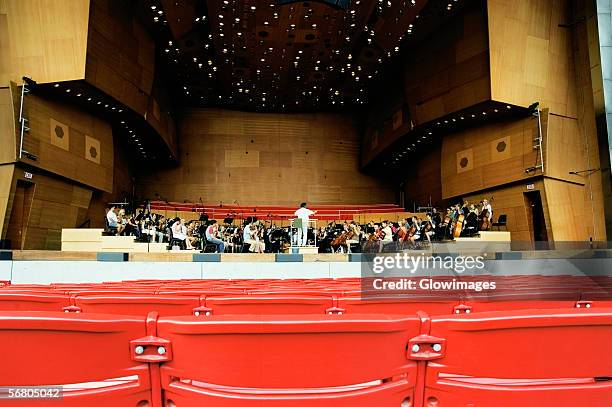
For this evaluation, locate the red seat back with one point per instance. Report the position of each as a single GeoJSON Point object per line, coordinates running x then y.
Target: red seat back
{"type": "Point", "coordinates": [269, 304]}
{"type": "Point", "coordinates": [137, 304]}
{"type": "Point", "coordinates": [523, 358]}
{"type": "Point", "coordinates": [312, 360]}
{"type": "Point", "coordinates": [90, 352]}
{"type": "Point", "coordinates": [32, 301]}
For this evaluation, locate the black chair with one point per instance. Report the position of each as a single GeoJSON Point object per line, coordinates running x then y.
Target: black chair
{"type": "Point", "coordinates": [108, 231]}
{"type": "Point", "coordinates": [501, 221]}
{"type": "Point", "coordinates": [207, 247]}
{"type": "Point", "coordinates": [180, 243]}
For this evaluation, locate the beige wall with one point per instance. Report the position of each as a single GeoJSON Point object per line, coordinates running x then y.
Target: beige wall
{"type": "Point", "coordinates": [260, 158]}
{"type": "Point", "coordinates": [531, 57]}
{"type": "Point", "coordinates": [45, 40]}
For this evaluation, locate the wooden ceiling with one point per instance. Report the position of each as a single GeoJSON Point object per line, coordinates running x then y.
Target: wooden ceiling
{"type": "Point", "coordinates": [258, 55]}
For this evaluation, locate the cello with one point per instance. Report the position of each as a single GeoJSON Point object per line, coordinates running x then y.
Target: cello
{"type": "Point", "coordinates": [484, 223]}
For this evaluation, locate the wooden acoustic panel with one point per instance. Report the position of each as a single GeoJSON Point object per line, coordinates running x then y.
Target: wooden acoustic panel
{"type": "Point", "coordinates": [53, 203]}
{"type": "Point", "coordinates": [59, 134]}
{"type": "Point", "coordinates": [92, 149]}
{"type": "Point", "coordinates": [44, 40]}
{"type": "Point", "coordinates": [8, 139]}
{"type": "Point", "coordinates": [292, 158]}
{"type": "Point", "coordinates": [485, 166]}
{"type": "Point", "coordinates": [532, 54]}
{"type": "Point", "coordinates": [447, 73]}
{"type": "Point", "coordinates": [501, 149]}
{"type": "Point", "coordinates": [120, 55]}
{"type": "Point", "coordinates": [71, 155]}
{"type": "Point", "coordinates": [465, 160]}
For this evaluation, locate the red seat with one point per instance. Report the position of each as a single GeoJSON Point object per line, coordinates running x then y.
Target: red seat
{"type": "Point", "coordinates": [137, 304]}
{"type": "Point", "coordinates": [396, 305]}
{"type": "Point", "coordinates": [269, 304]}
{"type": "Point", "coordinates": [523, 358]}
{"type": "Point", "coordinates": [24, 300]}
{"type": "Point", "coordinates": [90, 353]}
{"type": "Point", "coordinates": [290, 360]}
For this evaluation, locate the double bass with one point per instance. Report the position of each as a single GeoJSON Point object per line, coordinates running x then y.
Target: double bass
{"type": "Point", "coordinates": [458, 225]}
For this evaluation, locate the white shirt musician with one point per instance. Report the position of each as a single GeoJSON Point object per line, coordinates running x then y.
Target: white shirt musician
{"type": "Point", "coordinates": [303, 213]}
{"type": "Point", "coordinates": [486, 205]}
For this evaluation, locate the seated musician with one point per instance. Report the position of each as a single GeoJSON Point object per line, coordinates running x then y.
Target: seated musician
{"type": "Point", "coordinates": [113, 221]}
{"type": "Point", "coordinates": [355, 237]}
{"type": "Point", "coordinates": [416, 236]}
{"type": "Point", "coordinates": [387, 235]}
{"type": "Point", "coordinates": [179, 232]}
{"type": "Point", "coordinates": [428, 228]}
{"type": "Point", "coordinates": [471, 222]}
{"type": "Point", "coordinates": [486, 205]}
{"type": "Point", "coordinates": [212, 236]}
{"type": "Point", "coordinates": [251, 237]}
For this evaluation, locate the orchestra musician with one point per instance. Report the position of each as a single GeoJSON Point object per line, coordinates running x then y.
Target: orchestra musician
{"type": "Point", "coordinates": [414, 233]}
{"type": "Point", "coordinates": [387, 235]}
{"type": "Point", "coordinates": [486, 205]}
{"type": "Point", "coordinates": [212, 236]}
{"type": "Point", "coordinates": [250, 235]}
{"type": "Point", "coordinates": [471, 222]}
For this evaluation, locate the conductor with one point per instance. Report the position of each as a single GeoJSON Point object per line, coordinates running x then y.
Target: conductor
{"type": "Point", "coordinates": [303, 213]}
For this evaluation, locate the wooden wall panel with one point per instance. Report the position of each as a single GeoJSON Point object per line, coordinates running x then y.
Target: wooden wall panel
{"type": "Point", "coordinates": [570, 218]}
{"type": "Point", "coordinates": [531, 57]}
{"type": "Point", "coordinates": [565, 149]}
{"type": "Point", "coordinates": [72, 163]}
{"type": "Point", "coordinates": [45, 40]}
{"type": "Point", "coordinates": [8, 152]}
{"type": "Point", "coordinates": [448, 72]}
{"type": "Point", "coordinates": [160, 117]}
{"type": "Point", "coordinates": [6, 185]}
{"type": "Point", "coordinates": [56, 204]}
{"type": "Point", "coordinates": [422, 183]}
{"type": "Point", "coordinates": [120, 55]}
{"type": "Point", "coordinates": [310, 157]}
{"type": "Point", "coordinates": [487, 169]}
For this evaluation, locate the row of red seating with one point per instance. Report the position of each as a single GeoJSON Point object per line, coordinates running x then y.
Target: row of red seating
{"type": "Point", "coordinates": [337, 286]}
{"type": "Point", "coordinates": [176, 305]}
{"type": "Point", "coordinates": [274, 212]}
{"type": "Point", "coordinates": [322, 296]}
{"type": "Point", "coordinates": [503, 358]}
